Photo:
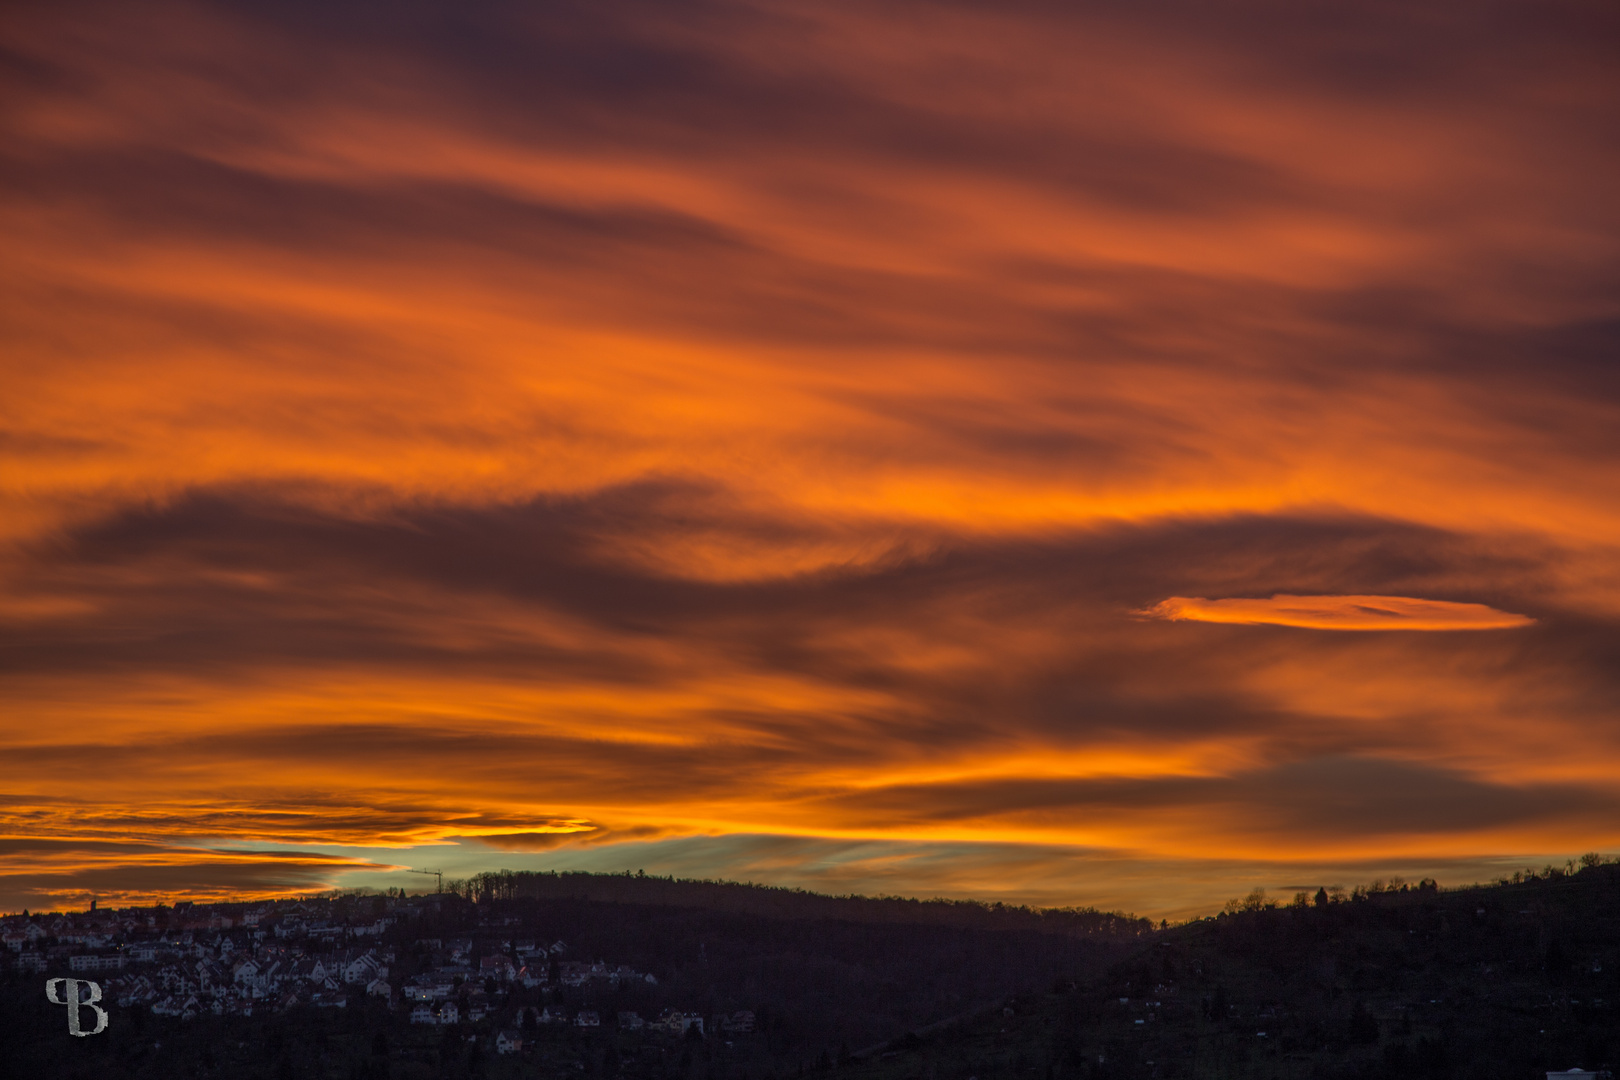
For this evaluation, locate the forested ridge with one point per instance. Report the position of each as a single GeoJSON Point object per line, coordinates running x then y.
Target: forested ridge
{"type": "Point", "coordinates": [1506, 980]}
{"type": "Point", "coordinates": [776, 902]}
{"type": "Point", "coordinates": [1417, 983]}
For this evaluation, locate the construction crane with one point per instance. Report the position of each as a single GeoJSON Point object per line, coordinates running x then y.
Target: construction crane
{"type": "Point", "coordinates": [438, 876]}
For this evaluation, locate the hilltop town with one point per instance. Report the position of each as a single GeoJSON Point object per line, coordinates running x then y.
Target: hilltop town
{"type": "Point", "coordinates": [247, 959]}
{"type": "Point", "coordinates": [513, 975]}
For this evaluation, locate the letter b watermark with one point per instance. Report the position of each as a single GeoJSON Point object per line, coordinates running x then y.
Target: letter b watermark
{"type": "Point", "coordinates": [72, 999]}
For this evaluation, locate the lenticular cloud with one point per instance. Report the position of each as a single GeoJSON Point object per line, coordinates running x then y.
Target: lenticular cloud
{"type": "Point", "coordinates": [1339, 613]}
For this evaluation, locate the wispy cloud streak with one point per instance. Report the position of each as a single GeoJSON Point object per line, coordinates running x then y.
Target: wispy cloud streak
{"type": "Point", "coordinates": [1339, 613]}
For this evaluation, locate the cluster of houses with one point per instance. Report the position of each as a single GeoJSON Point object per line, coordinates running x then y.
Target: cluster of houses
{"type": "Point", "coordinates": [240, 959]}
{"type": "Point", "coordinates": [205, 961]}
{"type": "Point", "coordinates": [670, 1021]}
{"type": "Point", "coordinates": [455, 988]}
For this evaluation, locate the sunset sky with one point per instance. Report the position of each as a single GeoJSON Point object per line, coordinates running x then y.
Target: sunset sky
{"type": "Point", "coordinates": [1103, 454]}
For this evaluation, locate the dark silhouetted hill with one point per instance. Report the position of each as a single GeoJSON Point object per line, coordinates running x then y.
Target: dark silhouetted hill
{"type": "Point", "coordinates": [1417, 983]}
{"type": "Point", "coordinates": [1502, 982]}
{"type": "Point", "coordinates": [773, 902]}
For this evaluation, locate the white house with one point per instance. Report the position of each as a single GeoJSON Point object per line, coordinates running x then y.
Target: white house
{"type": "Point", "coordinates": [364, 968]}
{"type": "Point", "coordinates": [508, 1042]}
{"type": "Point", "coordinates": [432, 987]}
{"type": "Point", "coordinates": [185, 1006]}
{"type": "Point", "coordinates": [497, 966]}
{"type": "Point", "coordinates": [91, 962]}
{"type": "Point", "coordinates": [446, 1013]}
{"type": "Point", "coordinates": [137, 991]}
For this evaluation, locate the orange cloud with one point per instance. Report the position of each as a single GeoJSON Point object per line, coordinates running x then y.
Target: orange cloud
{"type": "Point", "coordinates": [67, 871]}
{"type": "Point", "coordinates": [1338, 613]}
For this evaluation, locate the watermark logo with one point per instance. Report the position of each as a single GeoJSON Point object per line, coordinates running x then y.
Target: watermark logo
{"type": "Point", "coordinates": [75, 999]}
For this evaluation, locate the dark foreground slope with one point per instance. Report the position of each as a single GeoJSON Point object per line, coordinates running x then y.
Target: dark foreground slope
{"type": "Point", "coordinates": [1504, 982]}
{"type": "Point", "coordinates": [821, 976]}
